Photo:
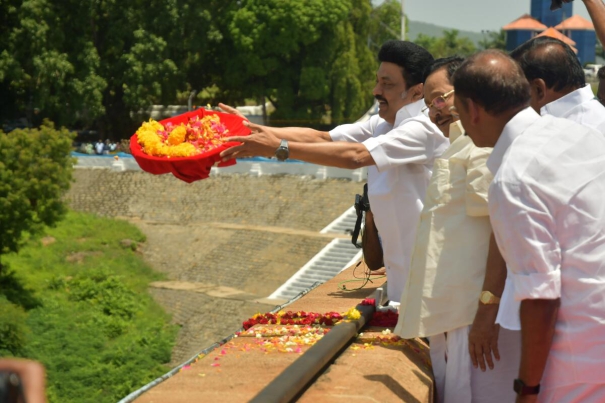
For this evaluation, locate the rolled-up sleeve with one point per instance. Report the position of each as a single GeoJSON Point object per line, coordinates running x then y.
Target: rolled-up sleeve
{"type": "Point", "coordinates": [354, 132]}
{"type": "Point", "coordinates": [412, 143]}
{"type": "Point", "coordinates": [478, 179]}
{"type": "Point", "coordinates": [525, 231]}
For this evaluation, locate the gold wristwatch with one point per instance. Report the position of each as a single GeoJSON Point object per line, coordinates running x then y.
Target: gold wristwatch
{"type": "Point", "coordinates": [487, 298]}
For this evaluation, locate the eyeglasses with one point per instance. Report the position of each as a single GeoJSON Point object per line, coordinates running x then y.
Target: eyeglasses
{"type": "Point", "coordinates": [438, 102]}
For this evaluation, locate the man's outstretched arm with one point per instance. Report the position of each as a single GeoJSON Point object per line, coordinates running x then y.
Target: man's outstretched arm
{"type": "Point", "coordinates": [263, 142]}
{"type": "Point", "coordinates": [596, 9]}
{"type": "Point", "coordinates": [299, 134]}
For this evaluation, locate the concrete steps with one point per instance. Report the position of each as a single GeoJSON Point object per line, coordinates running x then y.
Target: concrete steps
{"type": "Point", "coordinates": [331, 260]}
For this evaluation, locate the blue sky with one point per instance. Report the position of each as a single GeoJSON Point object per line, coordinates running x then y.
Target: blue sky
{"type": "Point", "coordinates": [473, 15]}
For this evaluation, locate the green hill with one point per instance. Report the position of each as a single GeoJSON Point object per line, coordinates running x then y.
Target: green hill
{"type": "Point", "coordinates": [417, 27]}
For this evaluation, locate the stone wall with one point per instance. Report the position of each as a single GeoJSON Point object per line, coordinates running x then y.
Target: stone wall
{"type": "Point", "coordinates": [284, 201]}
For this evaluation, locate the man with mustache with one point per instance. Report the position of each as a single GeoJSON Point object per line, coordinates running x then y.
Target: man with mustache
{"type": "Point", "coordinates": [453, 247]}
{"type": "Point", "coordinates": [549, 222]}
{"type": "Point", "coordinates": [398, 146]}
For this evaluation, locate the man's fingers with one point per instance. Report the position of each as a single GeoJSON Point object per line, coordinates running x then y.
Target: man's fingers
{"type": "Point", "coordinates": [253, 126]}
{"type": "Point", "coordinates": [231, 110]}
{"type": "Point", "coordinates": [471, 352]}
{"type": "Point", "coordinates": [496, 352]}
{"type": "Point", "coordinates": [231, 155]}
{"type": "Point", "coordinates": [237, 139]}
{"type": "Point", "coordinates": [488, 357]}
{"type": "Point", "coordinates": [227, 108]}
{"type": "Point", "coordinates": [479, 351]}
{"type": "Point", "coordinates": [231, 152]}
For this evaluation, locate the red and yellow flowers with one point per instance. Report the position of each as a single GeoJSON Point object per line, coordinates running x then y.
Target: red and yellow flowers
{"type": "Point", "coordinates": [198, 135]}
{"type": "Point", "coordinates": [293, 318]}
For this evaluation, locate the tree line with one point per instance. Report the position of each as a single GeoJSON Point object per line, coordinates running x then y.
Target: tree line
{"type": "Point", "coordinates": [90, 64]}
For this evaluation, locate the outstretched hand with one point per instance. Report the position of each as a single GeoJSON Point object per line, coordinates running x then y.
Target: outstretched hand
{"type": "Point", "coordinates": [261, 142]}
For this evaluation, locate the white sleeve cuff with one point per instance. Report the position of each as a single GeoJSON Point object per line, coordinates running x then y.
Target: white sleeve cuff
{"type": "Point", "coordinates": [336, 135]}
{"type": "Point", "coordinates": [377, 152]}
{"type": "Point", "coordinates": [537, 285]}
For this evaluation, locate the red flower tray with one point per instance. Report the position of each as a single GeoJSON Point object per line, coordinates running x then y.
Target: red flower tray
{"type": "Point", "coordinates": [190, 169]}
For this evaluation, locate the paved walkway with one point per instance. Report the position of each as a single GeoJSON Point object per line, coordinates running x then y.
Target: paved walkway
{"type": "Point", "coordinates": [382, 372]}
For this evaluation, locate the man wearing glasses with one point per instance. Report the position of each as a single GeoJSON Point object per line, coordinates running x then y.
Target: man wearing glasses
{"type": "Point", "coordinates": [398, 146]}
{"type": "Point", "coordinates": [453, 243]}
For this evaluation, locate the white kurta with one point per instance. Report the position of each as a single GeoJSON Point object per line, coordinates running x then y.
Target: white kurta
{"type": "Point", "coordinates": [547, 212]}
{"type": "Point", "coordinates": [452, 240]}
{"type": "Point", "coordinates": [578, 106]}
{"type": "Point", "coordinates": [404, 154]}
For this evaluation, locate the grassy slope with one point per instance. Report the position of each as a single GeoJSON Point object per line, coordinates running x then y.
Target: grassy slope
{"type": "Point", "coordinates": [97, 331]}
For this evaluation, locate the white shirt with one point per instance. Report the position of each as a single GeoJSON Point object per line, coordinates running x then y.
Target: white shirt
{"type": "Point", "coordinates": [403, 154]}
{"type": "Point", "coordinates": [579, 106]}
{"type": "Point", "coordinates": [547, 211]}
{"type": "Point", "coordinates": [452, 240]}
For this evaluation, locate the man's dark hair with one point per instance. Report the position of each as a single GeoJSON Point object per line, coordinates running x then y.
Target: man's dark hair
{"type": "Point", "coordinates": [601, 73]}
{"type": "Point", "coordinates": [498, 87]}
{"type": "Point", "coordinates": [412, 59]}
{"type": "Point", "coordinates": [451, 64]}
{"type": "Point", "coordinates": [551, 60]}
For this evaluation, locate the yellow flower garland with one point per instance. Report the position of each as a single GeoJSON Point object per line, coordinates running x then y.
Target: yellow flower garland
{"type": "Point", "coordinates": [184, 140]}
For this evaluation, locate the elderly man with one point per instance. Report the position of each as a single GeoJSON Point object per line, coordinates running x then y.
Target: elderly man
{"type": "Point", "coordinates": [557, 82]}
{"type": "Point", "coordinates": [398, 147]}
{"type": "Point", "coordinates": [558, 88]}
{"type": "Point", "coordinates": [444, 289]}
{"type": "Point", "coordinates": [546, 212]}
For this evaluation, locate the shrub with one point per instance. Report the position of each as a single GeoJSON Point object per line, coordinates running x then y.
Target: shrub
{"type": "Point", "coordinates": [35, 171]}
{"type": "Point", "coordinates": [13, 330]}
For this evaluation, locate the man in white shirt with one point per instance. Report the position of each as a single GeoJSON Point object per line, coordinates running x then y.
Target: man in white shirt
{"type": "Point", "coordinates": [99, 147]}
{"type": "Point", "coordinates": [546, 209]}
{"type": "Point", "coordinates": [558, 88]}
{"type": "Point", "coordinates": [451, 252]}
{"type": "Point", "coordinates": [558, 83]}
{"type": "Point", "coordinates": [398, 146]}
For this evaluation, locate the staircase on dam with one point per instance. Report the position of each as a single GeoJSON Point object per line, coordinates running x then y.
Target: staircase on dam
{"type": "Point", "coordinates": [332, 259]}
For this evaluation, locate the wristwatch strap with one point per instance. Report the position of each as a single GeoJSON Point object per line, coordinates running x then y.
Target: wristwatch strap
{"type": "Point", "coordinates": [522, 389]}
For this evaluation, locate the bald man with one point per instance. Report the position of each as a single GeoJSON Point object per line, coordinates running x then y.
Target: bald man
{"type": "Point", "coordinates": [558, 88]}
{"type": "Point", "coordinates": [549, 222]}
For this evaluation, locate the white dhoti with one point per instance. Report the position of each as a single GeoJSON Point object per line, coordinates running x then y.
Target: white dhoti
{"type": "Point", "coordinates": [457, 381]}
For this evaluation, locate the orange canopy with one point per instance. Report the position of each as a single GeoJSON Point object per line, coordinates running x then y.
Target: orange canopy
{"type": "Point", "coordinates": [525, 22]}
{"type": "Point", "coordinates": [553, 33]}
{"type": "Point", "coordinates": [575, 23]}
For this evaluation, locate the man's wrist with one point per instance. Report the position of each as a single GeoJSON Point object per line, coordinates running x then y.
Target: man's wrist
{"type": "Point", "coordinates": [487, 298]}
{"type": "Point", "coordinates": [524, 389]}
